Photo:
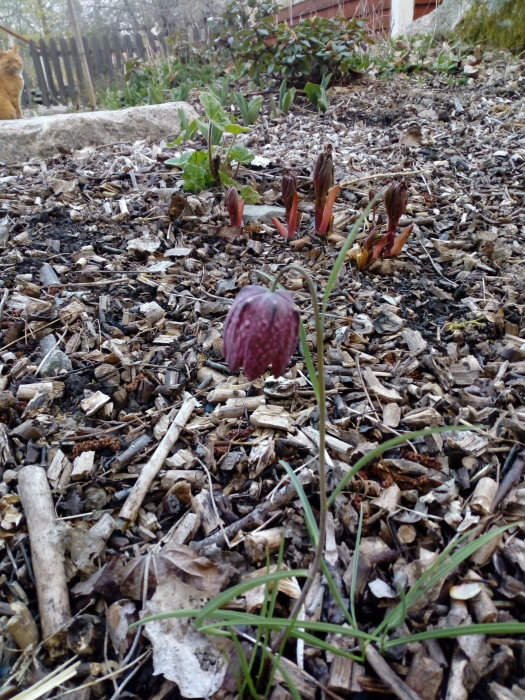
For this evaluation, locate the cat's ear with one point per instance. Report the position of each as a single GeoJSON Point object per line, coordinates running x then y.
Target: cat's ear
{"type": "Point", "coordinates": [14, 48]}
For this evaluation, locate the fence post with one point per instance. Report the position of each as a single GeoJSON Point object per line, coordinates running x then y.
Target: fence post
{"type": "Point", "coordinates": [85, 66]}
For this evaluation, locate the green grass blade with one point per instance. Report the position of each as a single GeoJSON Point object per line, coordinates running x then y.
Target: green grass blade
{"type": "Point", "coordinates": [307, 356]}
{"type": "Point", "coordinates": [497, 628]}
{"type": "Point", "coordinates": [245, 679]}
{"type": "Point", "coordinates": [230, 593]}
{"type": "Point", "coordinates": [444, 564]}
{"type": "Point", "coordinates": [384, 446]}
{"type": "Point", "coordinates": [234, 618]}
{"type": "Point", "coordinates": [355, 566]}
{"type": "Point", "coordinates": [309, 518]}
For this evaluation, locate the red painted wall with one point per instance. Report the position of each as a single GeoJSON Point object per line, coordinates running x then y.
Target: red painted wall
{"type": "Point", "coordinates": [376, 11]}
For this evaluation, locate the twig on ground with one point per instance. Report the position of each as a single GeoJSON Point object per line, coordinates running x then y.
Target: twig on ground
{"type": "Point", "coordinates": [151, 468]}
{"type": "Point", "coordinates": [47, 554]}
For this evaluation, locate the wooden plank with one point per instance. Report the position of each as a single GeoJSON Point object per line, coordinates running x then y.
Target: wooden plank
{"type": "Point", "coordinates": [127, 44]}
{"type": "Point", "coordinates": [141, 49]}
{"type": "Point", "coordinates": [117, 51]}
{"type": "Point", "coordinates": [48, 72]}
{"type": "Point", "coordinates": [162, 41]}
{"type": "Point", "coordinates": [57, 70]}
{"type": "Point", "coordinates": [39, 71]}
{"type": "Point", "coordinates": [73, 48]}
{"type": "Point", "coordinates": [95, 63]}
{"type": "Point", "coordinates": [108, 58]}
{"type": "Point", "coordinates": [26, 97]}
{"type": "Point", "coordinates": [65, 53]}
{"type": "Point", "coordinates": [151, 40]}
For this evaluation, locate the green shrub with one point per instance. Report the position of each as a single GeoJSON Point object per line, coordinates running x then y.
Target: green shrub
{"type": "Point", "coordinates": [307, 52]}
{"type": "Point", "coordinates": [156, 82]}
{"type": "Point", "coordinates": [214, 166]}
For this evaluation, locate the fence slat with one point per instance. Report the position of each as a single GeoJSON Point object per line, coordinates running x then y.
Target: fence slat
{"type": "Point", "coordinates": [57, 69]}
{"type": "Point", "coordinates": [48, 72]}
{"type": "Point", "coordinates": [117, 50]}
{"type": "Point", "coordinates": [139, 44]}
{"type": "Point", "coordinates": [76, 62]}
{"type": "Point", "coordinates": [128, 47]}
{"type": "Point", "coordinates": [66, 58]}
{"type": "Point", "coordinates": [108, 58]}
{"type": "Point", "coordinates": [40, 77]}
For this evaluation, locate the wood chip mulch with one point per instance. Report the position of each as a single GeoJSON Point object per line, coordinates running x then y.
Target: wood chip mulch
{"type": "Point", "coordinates": [139, 475]}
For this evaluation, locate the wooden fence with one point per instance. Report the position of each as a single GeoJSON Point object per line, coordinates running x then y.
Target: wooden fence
{"type": "Point", "coordinates": [57, 72]}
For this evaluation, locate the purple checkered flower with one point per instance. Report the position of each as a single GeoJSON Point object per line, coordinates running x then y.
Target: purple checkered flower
{"type": "Point", "coordinates": [261, 329]}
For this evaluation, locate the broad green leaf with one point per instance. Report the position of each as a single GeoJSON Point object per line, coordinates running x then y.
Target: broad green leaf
{"type": "Point", "coordinates": [241, 154]}
{"type": "Point", "coordinates": [180, 160]}
{"type": "Point", "coordinates": [313, 92]}
{"type": "Point", "coordinates": [236, 129]}
{"type": "Point", "coordinates": [195, 177]}
{"type": "Point", "coordinates": [249, 195]}
{"type": "Point", "coordinates": [214, 110]}
{"type": "Point", "coordinates": [227, 179]}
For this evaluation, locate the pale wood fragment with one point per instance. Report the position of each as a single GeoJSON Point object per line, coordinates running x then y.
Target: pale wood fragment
{"type": "Point", "coordinates": [343, 448]}
{"type": "Point", "coordinates": [340, 674]}
{"type": "Point", "coordinates": [482, 605]}
{"type": "Point", "coordinates": [26, 392]}
{"type": "Point", "coordinates": [47, 554]}
{"type": "Point", "coordinates": [7, 455]}
{"type": "Point", "coordinates": [149, 471]}
{"type": "Point", "coordinates": [272, 417]}
{"type": "Point", "coordinates": [22, 626]}
{"type": "Point", "coordinates": [59, 471]}
{"type": "Point", "coordinates": [259, 544]}
{"type": "Point", "coordinates": [83, 466]}
{"type": "Point", "coordinates": [224, 392]}
{"type": "Point", "coordinates": [202, 505]}
{"type": "Point", "coordinates": [92, 403]}
{"type": "Point", "coordinates": [186, 529]}
{"type": "Point", "coordinates": [377, 388]}
{"type": "Point", "coordinates": [483, 495]}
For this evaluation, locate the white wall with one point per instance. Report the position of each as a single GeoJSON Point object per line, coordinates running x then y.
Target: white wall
{"type": "Point", "coordinates": [401, 14]}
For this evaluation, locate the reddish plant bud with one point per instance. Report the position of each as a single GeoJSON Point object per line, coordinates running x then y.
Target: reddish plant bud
{"type": "Point", "coordinates": [288, 190]}
{"type": "Point", "coordinates": [323, 178]}
{"type": "Point", "coordinates": [396, 198]}
{"type": "Point", "coordinates": [261, 329]}
{"type": "Point", "coordinates": [235, 206]}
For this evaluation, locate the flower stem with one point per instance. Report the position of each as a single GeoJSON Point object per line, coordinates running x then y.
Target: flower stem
{"type": "Point", "coordinates": [323, 499]}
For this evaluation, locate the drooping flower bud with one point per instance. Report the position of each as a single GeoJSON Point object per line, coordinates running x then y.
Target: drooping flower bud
{"type": "Point", "coordinates": [235, 206]}
{"type": "Point", "coordinates": [396, 198]}
{"type": "Point", "coordinates": [261, 329]}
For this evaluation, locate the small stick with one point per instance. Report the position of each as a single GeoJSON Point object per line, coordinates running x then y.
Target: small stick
{"type": "Point", "coordinates": [151, 468]}
{"type": "Point", "coordinates": [255, 518]}
{"type": "Point", "coordinates": [47, 553]}
{"type": "Point", "coordinates": [378, 176]}
{"type": "Point", "coordinates": [385, 673]}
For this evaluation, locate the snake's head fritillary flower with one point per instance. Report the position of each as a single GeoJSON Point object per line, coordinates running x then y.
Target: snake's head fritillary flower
{"type": "Point", "coordinates": [261, 329]}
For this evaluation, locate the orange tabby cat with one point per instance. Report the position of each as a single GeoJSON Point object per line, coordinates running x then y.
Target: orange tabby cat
{"type": "Point", "coordinates": [11, 84]}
